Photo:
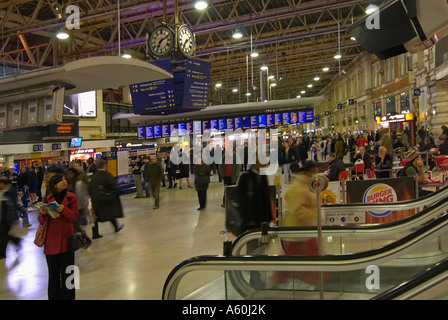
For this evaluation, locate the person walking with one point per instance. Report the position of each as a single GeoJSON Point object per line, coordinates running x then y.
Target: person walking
{"type": "Point", "coordinates": [8, 215]}
{"type": "Point", "coordinates": [201, 182]}
{"type": "Point", "coordinates": [154, 177]}
{"type": "Point", "coordinates": [60, 228]}
{"type": "Point", "coordinates": [106, 203]}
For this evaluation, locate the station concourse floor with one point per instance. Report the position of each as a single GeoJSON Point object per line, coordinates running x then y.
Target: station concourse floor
{"type": "Point", "coordinates": [134, 263]}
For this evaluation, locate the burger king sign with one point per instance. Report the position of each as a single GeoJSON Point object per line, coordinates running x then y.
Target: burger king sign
{"type": "Point", "coordinates": [380, 193]}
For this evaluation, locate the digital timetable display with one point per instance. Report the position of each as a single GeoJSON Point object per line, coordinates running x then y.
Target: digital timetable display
{"type": "Point", "coordinates": [149, 133]}
{"type": "Point", "coordinates": [293, 118]}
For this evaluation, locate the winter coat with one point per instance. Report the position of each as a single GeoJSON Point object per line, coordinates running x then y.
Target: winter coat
{"type": "Point", "coordinates": [154, 174]}
{"type": "Point", "coordinates": [201, 176]}
{"type": "Point", "coordinates": [60, 228]}
{"type": "Point", "coordinates": [105, 196]}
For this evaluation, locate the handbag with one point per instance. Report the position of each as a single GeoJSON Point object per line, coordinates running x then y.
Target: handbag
{"type": "Point", "coordinates": [79, 240]}
{"type": "Point", "coordinates": [41, 233]}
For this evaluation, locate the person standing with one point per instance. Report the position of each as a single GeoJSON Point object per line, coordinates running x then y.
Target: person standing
{"type": "Point", "coordinates": [137, 172]}
{"type": "Point", "coordinates": [201, 182]}
{"type": "Point", "coordinates": [40, 178]}
{"type": "Point", "coordinates": [154, 176]}
{"type": "Point", "coordinates": [60, 227]}
{"type": "Point", "coordinates": [106, 203]}
{"type": "Point", "coordinates": [8, 215]}
{"type": "Point", "coordinates": [146, 164]}
{"type": "Point", "coordinates": [170, 169]}
{"type": "Point", "coordinates": [290, 155]}
{"type": "Point", "coordinates": [230, 173]}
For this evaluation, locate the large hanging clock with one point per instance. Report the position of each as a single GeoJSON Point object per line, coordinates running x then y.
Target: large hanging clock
{"type": "Point", "coordinates": [186, 42]}
{"type": "Point", "coordinates": [161, 41]}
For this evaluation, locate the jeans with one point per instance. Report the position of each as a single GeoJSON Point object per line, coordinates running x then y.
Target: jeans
{"type": "Point", "coordinates": [58, 288]}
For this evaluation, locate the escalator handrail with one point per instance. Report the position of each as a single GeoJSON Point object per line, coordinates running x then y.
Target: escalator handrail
{"type": "Point", "coordinates": [248, 235]}
{"type": "Point", "coordinates": [308, 263]}
{"type": "Point", "coordinates": [426, 200]}
{"type": "Point", "coordinates": [413, 283]}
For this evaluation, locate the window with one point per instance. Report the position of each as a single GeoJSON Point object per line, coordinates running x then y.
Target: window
{"type": "Point", "coordinates": [390, 68]}
{"type": "Point", "coordinates": [376, 75]}
{"type": "Point", "coordinates": [390, 105]}
{"type": "Point", "coordinates": [404, 103]}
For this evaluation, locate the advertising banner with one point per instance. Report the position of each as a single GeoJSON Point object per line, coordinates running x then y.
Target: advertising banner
{"type": "Point", "coordinates": [382, 190]}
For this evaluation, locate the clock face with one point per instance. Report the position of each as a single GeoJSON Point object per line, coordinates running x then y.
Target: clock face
{"type": "Point", "coordinates": [186, 40]}
{"type": "Point", "coordinates": [161, 41]}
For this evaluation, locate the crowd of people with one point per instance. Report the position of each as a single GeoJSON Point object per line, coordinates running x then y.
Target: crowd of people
{"type": "Point", "coordinates": [85, 192]}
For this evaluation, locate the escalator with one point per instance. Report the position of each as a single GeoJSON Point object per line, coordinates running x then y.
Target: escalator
{"type": "Point", "coordinates": [372, 274]}
{"type": "Point", "coordinates": [355, 238]}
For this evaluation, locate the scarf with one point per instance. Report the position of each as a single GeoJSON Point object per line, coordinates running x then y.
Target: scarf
{"type": "Point", "coordinates": [59, 196]}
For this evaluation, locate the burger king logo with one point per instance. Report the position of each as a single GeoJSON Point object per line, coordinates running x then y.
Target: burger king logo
{"type": "Point", "coordinates": [380, 193]}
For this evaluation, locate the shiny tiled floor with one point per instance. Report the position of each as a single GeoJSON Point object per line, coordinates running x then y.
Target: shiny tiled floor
{"type": "Point", "coordinates": [132, 264]}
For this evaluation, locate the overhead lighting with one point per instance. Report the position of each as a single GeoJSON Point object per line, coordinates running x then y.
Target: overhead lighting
{"type": "Point", "coordinates": [264, 68]}
{"type": "Point", "coordinates": [316, 78]}
{"type": "Point", "coordinates": [200, 5]}
{"type": "Point", "coordinates": [248, 93]}
{"type": "Point", "coordinates": [237, 34]}
{"type": "Point", "coordinates": [299, 96]}
{"type": "Point", "coordinates": [235, 90]}
{"type": "Point", "coordinates": [273, 84]}
{"type": "Point", "coordinates": [271, 77]}
{"type": "Point", "coordinates": [353, 38]}
{"type": "Point", "coordinates": [254, 54]}
{"type": "Point", "coordinates": [371, 9]}
{"type": "Point", "coordinates": [326, 69]}
{"type": "Point", "coordinates": [338, 56]}
{"type": "Point", "coordinates": [310, 85]}
{"type": "Point", "coordinates": [62, 35]}
{"type": "Point", "coordinates": [303, 92]}
{"type": "Point", "coordinates": [218, 85]}
{"type": "Point", "coordinates": [126, 55]}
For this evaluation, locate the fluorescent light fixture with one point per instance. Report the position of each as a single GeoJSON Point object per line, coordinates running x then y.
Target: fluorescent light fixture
{"type": "Point", "coordinates": [126, 55]}
{"type": "Point", "coordinates": [248, 93]}
{"type": "Point", "coordinates": [271, 77]}
{"type": "Point", "coordinates": [200, 5]}
{"type": "Point", "coordinates": [299, 96]}
{"type": "Point", "coordinates": [303, 92]}
{"type": "Point", "coordinates": [273, 84]}
{"type": "Point", "coordinates": [62, 35]}
{"type": "Point", "coordinates": [264, 68]}
{"type": "Point", "coordinates": [235, 90]}
{"type": "Point", "coordinates": [326, 69]}
{"type": "Point", "coordinates": [353, 38]}
{"type": "Point", "coordinates": [237, 34]}
{"type": "Point", "coordinates": [338, 56]}
{"type": "Point", "coordinates": [254, 54]}
{"type": "Point", "coordinates": [310, 85]}
{"type": "Point", "coordinates": [218, 85]}
{"type": "Point", "coordinates": [316, 78]}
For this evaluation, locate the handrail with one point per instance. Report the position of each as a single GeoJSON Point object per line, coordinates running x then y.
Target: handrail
{"type": "Point", "coordinates": [323, 263]}
{"type": "Point", "coordinates": [409, 223]}
{"type": "Point", "coordinates": [419, 284]}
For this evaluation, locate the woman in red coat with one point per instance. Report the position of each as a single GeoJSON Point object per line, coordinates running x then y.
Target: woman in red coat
{"type": "Point", "coordinates": [56, 249]}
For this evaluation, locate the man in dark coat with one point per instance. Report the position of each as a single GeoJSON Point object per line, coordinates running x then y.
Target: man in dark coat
{"type": "Point", "coordinates": [105, 196]}
{"type": "Point", "coordinates": [336, 167]}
